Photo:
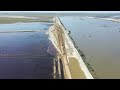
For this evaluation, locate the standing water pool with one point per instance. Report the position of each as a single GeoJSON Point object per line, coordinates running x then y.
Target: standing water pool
{"type": "Point", "coordinates": [24, 55]}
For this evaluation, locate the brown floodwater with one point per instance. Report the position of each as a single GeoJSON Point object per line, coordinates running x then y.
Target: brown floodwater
{"type": "Point", "coordinates": [99, 41]}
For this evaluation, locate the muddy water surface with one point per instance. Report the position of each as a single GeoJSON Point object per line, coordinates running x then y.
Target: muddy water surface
{"type": "Point", "coordinates": [99, 40]}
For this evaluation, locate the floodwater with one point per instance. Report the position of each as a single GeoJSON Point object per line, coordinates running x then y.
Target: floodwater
{"type": "Point", "coordinates": [99, 40]}
{"type": "Point", "coordinates": [26, 26]}
{"type": "Point", "coordinates": [24, 55]}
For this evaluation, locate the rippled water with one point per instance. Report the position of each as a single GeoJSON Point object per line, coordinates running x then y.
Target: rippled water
{"type": "Point", "coordinates": [99, 40]}
{"type": "Point", "coordinates": [26, 26]}
{"type": "Point", "coordinates": [25, 54]}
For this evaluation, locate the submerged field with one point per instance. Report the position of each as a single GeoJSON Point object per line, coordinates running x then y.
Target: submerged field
{"type": "Point", "coordinates": [15, 19]}
{"type": "Point", "coordinates": [99, 42]}
{"type": "Point", "coordinates": [24, 55]}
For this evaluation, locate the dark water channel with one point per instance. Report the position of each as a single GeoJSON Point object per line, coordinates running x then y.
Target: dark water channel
{"type": "Point", "coordinates": [24, 55]}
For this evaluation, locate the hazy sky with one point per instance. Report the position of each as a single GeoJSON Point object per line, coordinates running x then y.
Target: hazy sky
{"type": "Point", "coordinates": [62, 11]}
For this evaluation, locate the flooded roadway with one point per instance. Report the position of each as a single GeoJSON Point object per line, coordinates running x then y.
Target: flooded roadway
{"type": "Point", "coordinates": [99, 40]}
{"type": "Point", "coordinates": [24, 55]}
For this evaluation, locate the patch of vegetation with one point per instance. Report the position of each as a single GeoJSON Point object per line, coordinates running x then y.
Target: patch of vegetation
{"type": "Point", "coordinates": [12, 20]}
{"type": "Point", "coordinates": [7, 20]}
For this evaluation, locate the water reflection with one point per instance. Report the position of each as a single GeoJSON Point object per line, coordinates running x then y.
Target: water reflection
{"type": "Point", "coordinates": [26, 26]}
{"type": "Point", "coordinates": [24, 55]}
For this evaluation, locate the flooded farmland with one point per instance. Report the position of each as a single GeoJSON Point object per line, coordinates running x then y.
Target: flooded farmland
{"type": "Point", "coordinates": [99, 41]}
{"type": "Point", "coordinates": [25, 55]}
{"type": "Point", "coordinates": [29, 51]}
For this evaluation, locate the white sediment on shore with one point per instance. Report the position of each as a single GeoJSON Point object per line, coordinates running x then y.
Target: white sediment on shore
{"type": "Point", "coordinates": [73, 53]}
{"type": "Point", "coordinates": [108, 19]}
{"type": "Point", "coordinates": [51, 37]}
{"type": "Point", "coordinates": [79, 58]}
{"type": "Point", "coordinates": [111, 19]}
{"type": "Point", "coordinates": [76, 54]}
{"type": "Point", "coordinates": [54, 41]}
{"type": "Point", "coordinates": [89, 17]}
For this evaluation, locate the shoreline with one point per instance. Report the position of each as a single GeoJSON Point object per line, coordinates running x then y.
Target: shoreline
{"type": "Point", "coordinates": [75, 54]}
